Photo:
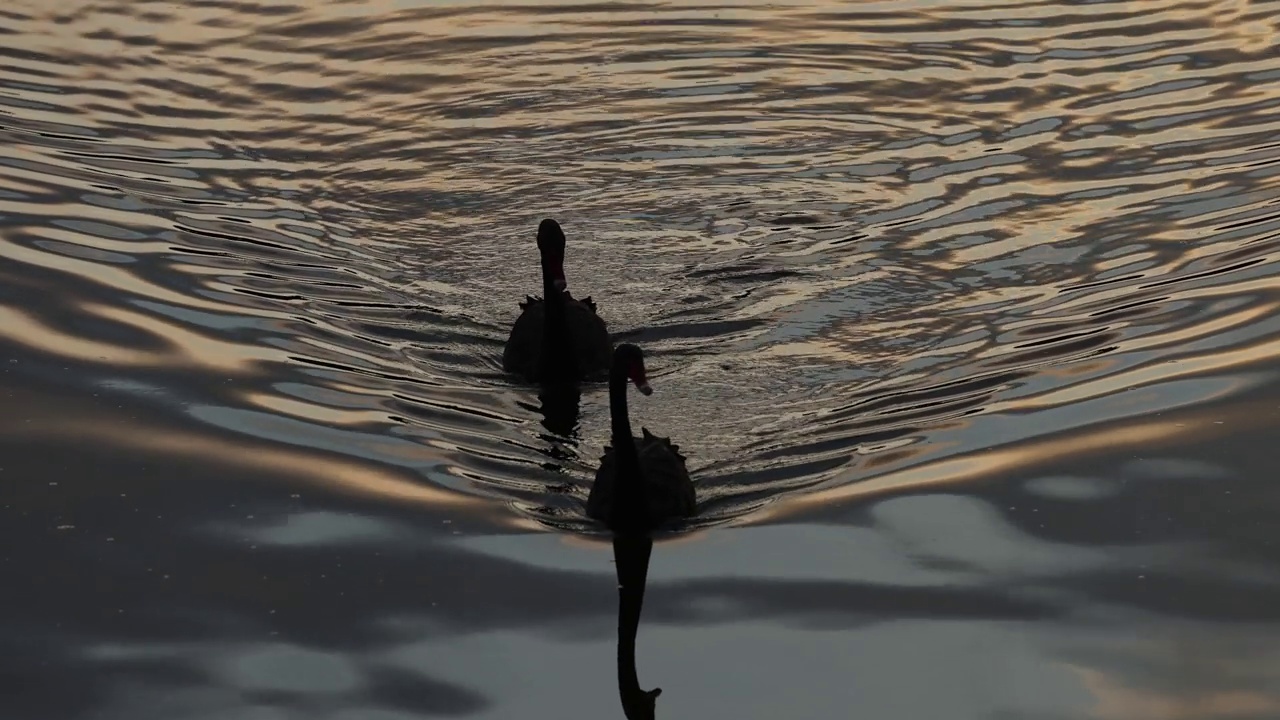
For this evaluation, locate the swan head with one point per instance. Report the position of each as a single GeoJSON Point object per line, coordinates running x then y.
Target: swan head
{"type": "Point", "coordinates": [631, 359]}
{"type": "Point", "coordinates": [551, 246]}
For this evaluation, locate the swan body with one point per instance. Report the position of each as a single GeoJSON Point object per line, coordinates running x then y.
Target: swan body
{"type": "Point", "coordinates": [667, 491]}
{"type": "Point", "coordinates": [642, 482]}
{"type": "Point", "coordinates": [557, 337]}
{"type": "Point", "coordinates": [588, 356]}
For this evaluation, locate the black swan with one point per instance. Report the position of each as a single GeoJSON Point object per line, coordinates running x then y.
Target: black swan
{"type": "Point", "coordinates": [556, 338]}
{"type": "Point", "coordinates": [631, 558]}
{"type": "Point", "coordinates": [642, 482]}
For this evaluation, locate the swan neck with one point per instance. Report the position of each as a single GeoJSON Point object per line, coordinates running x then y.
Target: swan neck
{"type": "Point", "coordinates": [620, 420]}
{"type": "Point", "coordinates": [556, 351]}
{"type": "Point", "coordinates": [551, 295]}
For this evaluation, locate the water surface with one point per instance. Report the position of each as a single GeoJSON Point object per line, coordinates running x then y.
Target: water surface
{"type": "Point", "coordinates": [964, 313]}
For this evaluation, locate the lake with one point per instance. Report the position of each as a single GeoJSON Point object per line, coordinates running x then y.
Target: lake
{"type": "Point", "coordinates": [965, 315]}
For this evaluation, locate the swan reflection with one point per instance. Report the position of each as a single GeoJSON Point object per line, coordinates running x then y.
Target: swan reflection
{"type": "Point", "coordinates": [631, 557]}
{"type": "Point", "coordinates": [559, 407]}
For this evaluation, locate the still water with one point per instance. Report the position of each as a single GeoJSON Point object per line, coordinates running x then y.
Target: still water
{"type": "Point", "coordinates": [963, 312]}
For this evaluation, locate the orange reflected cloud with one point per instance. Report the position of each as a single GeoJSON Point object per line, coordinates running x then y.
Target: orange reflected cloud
{"type": "Point", "coordinates": [324, 414]}
{"type": "Point", "coordinates": [1197, 426]}
{"type": "Point", "coordinates": [326, 471]}
{"type": "Point", "coordinates": [181, 346]}
{"type": "Point", "coordinates": [1117, 702]}
{"type": "Point", "coordinates": [111, 276]}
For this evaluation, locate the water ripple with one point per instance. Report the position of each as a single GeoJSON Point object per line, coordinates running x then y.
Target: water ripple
{"type": "Point", "coordinates": [857, 242]}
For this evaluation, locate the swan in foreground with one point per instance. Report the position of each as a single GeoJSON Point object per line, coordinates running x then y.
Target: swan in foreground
{"type": "Point", "coordinates": [642, 482]}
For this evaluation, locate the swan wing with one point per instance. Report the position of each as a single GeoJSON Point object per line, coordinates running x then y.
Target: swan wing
{"type": "Point", "coordinates": [591, 339]}
{"type": "Point", "coordinates": [601, 497]}
{"type": "Point", "coordinates": [587, 302]}
{"type": "Point", "coordinates": [524, 345]}
{"type": "Point", "coordinates": [671, 489]}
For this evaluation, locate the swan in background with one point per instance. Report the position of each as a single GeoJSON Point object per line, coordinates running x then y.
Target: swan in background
{"type": "Point", "coordinates": [556, 339]}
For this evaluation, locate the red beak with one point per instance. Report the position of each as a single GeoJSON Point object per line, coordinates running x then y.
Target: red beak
{"type": "Point", "coordinates": [638, 377]}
